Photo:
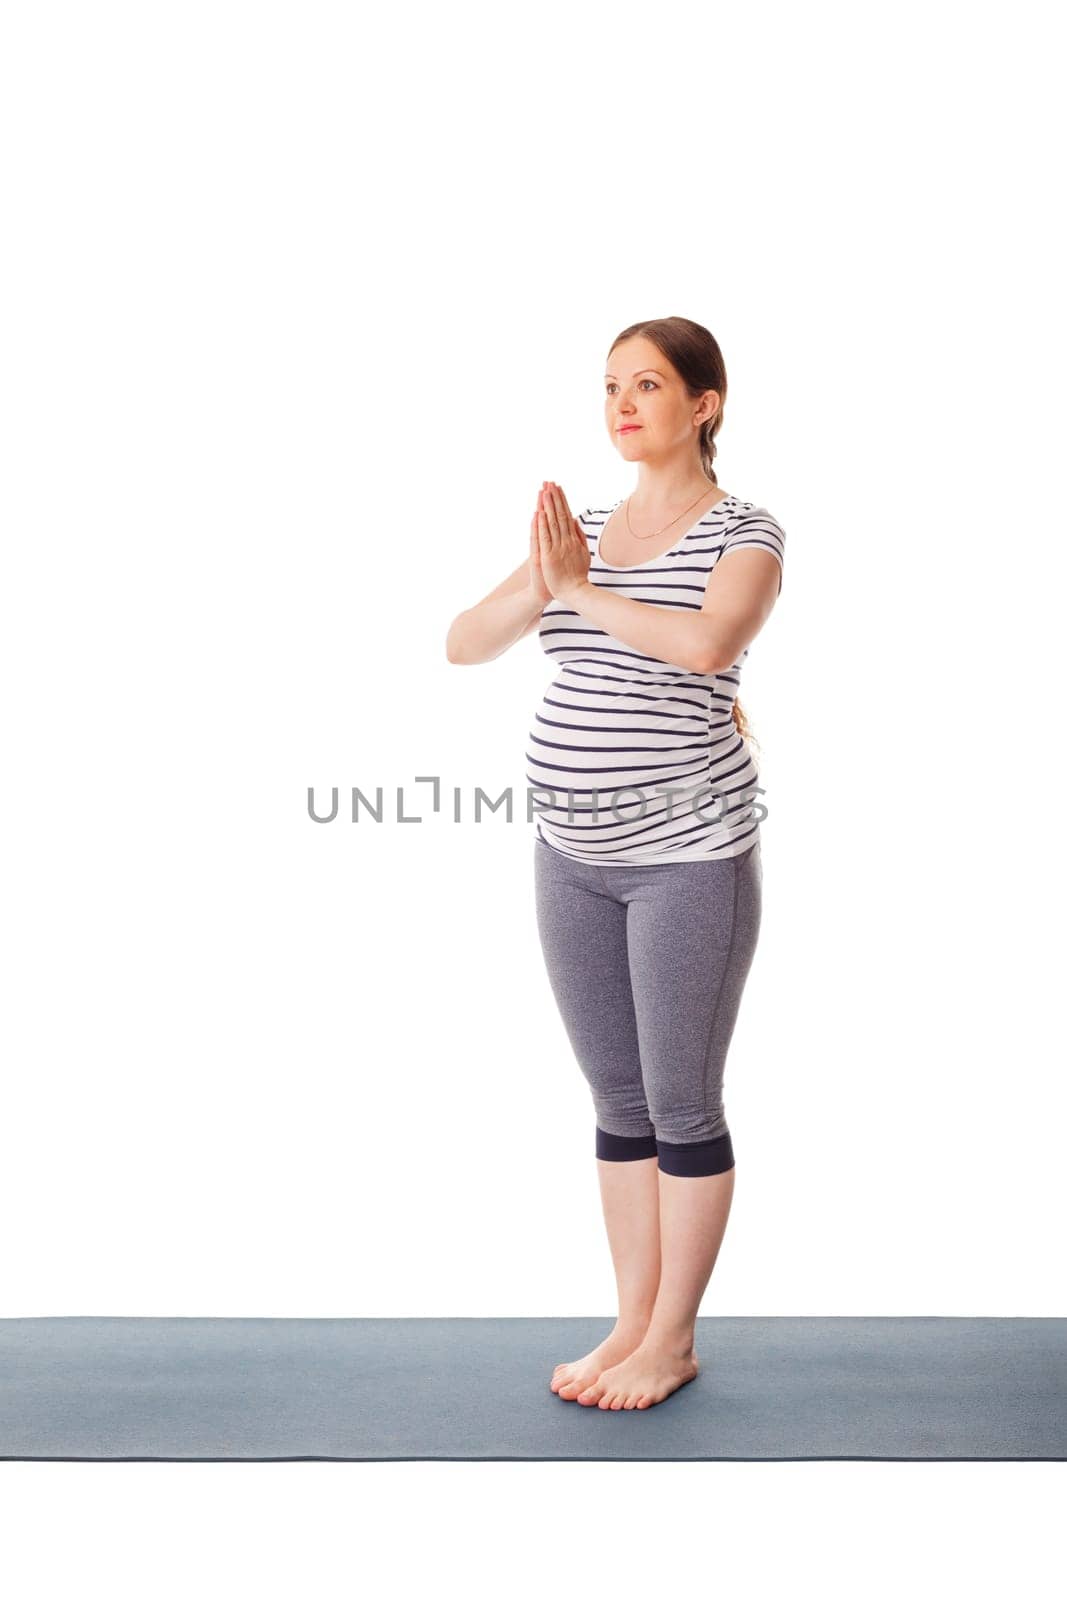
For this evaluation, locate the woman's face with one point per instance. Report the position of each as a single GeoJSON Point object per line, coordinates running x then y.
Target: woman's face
{"type": "Point", "coordinates": [644, 396]}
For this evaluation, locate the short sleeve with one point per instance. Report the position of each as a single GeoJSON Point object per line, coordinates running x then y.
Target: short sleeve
{"type": "Point", "coordinates": [757, 530]}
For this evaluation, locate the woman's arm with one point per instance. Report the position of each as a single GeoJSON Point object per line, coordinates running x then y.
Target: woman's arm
{"type": "Point", "coordinates": [738, 599]}
{"type": "Point", "coordinates": [507, 614]}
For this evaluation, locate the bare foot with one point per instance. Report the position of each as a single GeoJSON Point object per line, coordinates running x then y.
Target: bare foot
{"type": "Point", "coordinates": [644, 1378]}
{"type": "Point", "coordinates": [572, 1376]}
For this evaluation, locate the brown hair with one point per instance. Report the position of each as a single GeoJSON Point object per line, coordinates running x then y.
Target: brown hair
{"type": "Point", "coordinates": [694, 354]}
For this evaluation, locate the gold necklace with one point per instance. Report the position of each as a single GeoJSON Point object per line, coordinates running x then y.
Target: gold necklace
{"type": "Point", "coordinates": [640, 537]}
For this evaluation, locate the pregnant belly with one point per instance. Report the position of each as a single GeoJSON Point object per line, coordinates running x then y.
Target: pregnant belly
{"type": "Point", "coordinates": [567, 758]}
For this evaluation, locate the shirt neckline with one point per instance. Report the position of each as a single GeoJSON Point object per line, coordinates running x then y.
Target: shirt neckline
{"type": "Point", "coordinates": [637, 565]}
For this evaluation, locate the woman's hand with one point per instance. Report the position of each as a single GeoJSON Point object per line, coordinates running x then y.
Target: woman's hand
{"type": "Point", "coordinates": [538, 587]}
{"type": "Point", "coordinates": [562, 548]}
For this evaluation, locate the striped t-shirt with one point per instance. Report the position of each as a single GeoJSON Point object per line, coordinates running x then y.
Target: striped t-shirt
{"type": "Point", "coordinates": [615, 724]}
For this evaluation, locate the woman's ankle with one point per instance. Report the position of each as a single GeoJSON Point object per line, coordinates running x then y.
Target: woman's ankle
{"type": "Point", "coordinates": [632, 1325]}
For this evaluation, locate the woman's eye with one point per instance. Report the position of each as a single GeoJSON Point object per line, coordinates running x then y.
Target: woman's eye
{"type": "Point", "coordinates": [651, 381]}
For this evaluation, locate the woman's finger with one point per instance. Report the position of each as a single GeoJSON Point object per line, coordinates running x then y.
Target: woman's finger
{"type": "Point", "coordinates": [551, 510]}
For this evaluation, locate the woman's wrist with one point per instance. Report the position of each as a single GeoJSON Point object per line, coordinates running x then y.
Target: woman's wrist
{"type": "Point", "coordinates": [572, 595]}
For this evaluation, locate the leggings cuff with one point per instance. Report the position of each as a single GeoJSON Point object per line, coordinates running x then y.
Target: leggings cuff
{"type": "Point", "coordinates": [691, 1160]}
{"type": "Point", "coordinates": [624, 1147]}
{"type": "Point", "coordinates": [696, 1160]}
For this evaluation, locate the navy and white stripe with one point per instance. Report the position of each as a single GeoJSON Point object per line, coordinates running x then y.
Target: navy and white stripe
{"type": "Point", "coordinates": [615, 723]}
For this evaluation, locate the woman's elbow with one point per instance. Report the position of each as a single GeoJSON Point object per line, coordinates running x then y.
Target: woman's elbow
{"type": "Point", "coordinates": [707, 661]}
{"type": "Point", "coordinates": [718, 651]}
{"type": "Point", "coordinates": [453, 643]}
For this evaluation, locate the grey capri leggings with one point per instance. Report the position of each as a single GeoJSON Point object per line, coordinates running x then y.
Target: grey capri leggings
{"type": "Point", "coordinates": [648, 965]}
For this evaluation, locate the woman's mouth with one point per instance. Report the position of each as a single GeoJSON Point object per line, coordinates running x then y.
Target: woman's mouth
{"type": "Point", "coordinates": [631, 427]}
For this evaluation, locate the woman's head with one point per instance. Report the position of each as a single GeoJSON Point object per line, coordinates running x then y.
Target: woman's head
{"type": "Point", "coordinates": [666, 375]}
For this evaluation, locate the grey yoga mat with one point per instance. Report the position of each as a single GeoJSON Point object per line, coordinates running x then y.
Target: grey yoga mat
{"type": "Point", "coordinates": [476, 1389]}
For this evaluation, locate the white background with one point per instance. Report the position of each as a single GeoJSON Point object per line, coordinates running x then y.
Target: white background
{"type": "Point", "coordinates": [301, 307]}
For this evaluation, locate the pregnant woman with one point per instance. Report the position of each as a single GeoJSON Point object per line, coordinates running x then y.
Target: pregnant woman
{"type": "Point", "coordinates": [647, 853]}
